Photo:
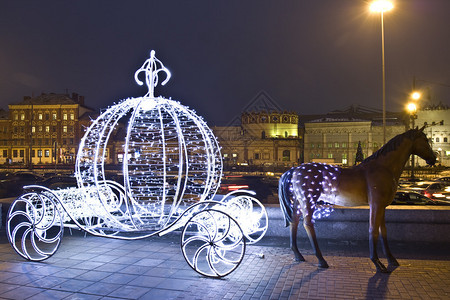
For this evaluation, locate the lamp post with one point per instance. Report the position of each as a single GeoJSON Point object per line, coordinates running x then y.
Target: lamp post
{"type": "Point", "coordinates": [382, 6]}
{"type": "Point", "coordinates": [412, 109]}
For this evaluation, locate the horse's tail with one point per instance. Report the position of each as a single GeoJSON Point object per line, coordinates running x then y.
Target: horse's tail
{"type": "Point", "coordinates": [284, 195]}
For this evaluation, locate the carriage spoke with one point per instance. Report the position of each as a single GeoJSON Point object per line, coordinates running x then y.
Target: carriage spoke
{"type": "Point", "coordinates": [213, 243]}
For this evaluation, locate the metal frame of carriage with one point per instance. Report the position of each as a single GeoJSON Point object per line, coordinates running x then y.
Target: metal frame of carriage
{"type": "Point", "coordinates": [172, 169]}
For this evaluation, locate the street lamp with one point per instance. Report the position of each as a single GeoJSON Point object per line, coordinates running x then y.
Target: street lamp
{"type": "Point", "coordinates": [412, 109]}
{"type": "Point", "coordinates": [382, 6]}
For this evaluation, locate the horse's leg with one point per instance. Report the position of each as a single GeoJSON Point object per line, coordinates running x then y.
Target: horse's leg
{"type": "Point", "coordinates": [294, 227]}
{"type": "Point", "coordinates": [374, 227]}
{"type": "Point", "coordinates": [309, 227]}
{"type": "Point", "coordinates": [391, 259]}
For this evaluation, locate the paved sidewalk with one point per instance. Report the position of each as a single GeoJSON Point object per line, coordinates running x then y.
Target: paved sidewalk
{"type": "Point", "coordinates": [100, 268]}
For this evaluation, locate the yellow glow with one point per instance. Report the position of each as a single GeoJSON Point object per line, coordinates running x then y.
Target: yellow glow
{"type": "Point", "coordinates": [411, 107]}
{"type": "Point", "coordinates": [416, 95]}
{"type": "Point", "coordinates": [381, 6]}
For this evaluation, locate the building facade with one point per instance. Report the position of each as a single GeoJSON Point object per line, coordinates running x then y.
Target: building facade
{"type": "Point", "coordinates": [436, 119]}
{"type": "Point", "coordinates": [335, 141]}
{"type": "Point", "coordinates": [43, 130]}
{"type": "Point", "coordinates": [264, 139]}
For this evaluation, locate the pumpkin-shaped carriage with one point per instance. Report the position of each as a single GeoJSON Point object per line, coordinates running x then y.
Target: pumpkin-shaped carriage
{"type": "Point", "coordinates": [172, 168]}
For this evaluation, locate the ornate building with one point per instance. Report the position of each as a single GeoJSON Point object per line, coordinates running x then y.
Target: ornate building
{"type": "Point", "coordinates": [262, 140]}
{"type": "Point", "coordinates": [43, 129]}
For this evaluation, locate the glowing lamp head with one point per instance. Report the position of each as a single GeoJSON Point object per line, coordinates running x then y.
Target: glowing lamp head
{"type": "Point", "coordinates": [416, 95]}
{"type": "Point", "coordinates": [412, 108]}
{"type": "Point", "coordinates": [381, 6]}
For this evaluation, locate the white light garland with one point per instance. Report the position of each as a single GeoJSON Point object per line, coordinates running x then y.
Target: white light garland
{"type": "Point", "coordinates": [171, 157]}
{"type": "Point", "coordinates": [317, 189]}
{"type": "Point", "coordinates": [171, 171]}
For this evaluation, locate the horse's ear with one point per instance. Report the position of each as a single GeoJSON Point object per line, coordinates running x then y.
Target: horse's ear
{"type": "Point", "coordinates": [421, 129]}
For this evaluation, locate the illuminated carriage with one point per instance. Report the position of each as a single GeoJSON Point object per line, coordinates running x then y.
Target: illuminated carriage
{"type": "Point", "coordinates": [172, 168]}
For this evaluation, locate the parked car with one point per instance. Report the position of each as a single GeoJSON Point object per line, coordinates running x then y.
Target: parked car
{"type": "Point", "coordinates": [60, 182]}
{"type": "Point", "coordinates": [261, 186]}
{"type": "Point", "coordinates": [13, 183]}
{"type": "Point", "coordinates": [437, 187]}
{"type": "Point", "coordinates": [443, 179]}
{"type": "Point", "coordinates": [410, 198]}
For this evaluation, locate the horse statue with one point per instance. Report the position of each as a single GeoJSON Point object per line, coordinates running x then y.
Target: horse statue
{"type": "Point", "coordinates": [311, 188]}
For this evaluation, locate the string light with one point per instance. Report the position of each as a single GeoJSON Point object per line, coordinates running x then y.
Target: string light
{"type": "Point", "coordinates": [171, 168]}
{"type": "Point", "coordinates": [317, 184]}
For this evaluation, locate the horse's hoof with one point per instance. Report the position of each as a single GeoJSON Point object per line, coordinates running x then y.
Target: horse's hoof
{"type": "Point", "coordinates": [380, 267]}
{"type": "Point", "coordinates": [323, 265]}
{"type": "Point", "coordinates": [393, 263]}
{"type": "Point", "coordinates": [301, 258]}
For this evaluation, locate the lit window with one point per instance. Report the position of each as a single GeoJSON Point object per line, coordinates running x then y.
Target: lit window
{"type": "Point", "coordinates": [47, 128]}
{"type": "Point", "coordinates": [72, 116]}
{"type": "Point", "coordinates": [40, 116]}
{"type": "Point", "coordinates": [64, 128]}
{"type": "Point", "coordinates": [47, 153]}
{"type": "Point", "coordinates": [22, 117]}
{"type": "Point", "coordinates": [39, 153]}
{"type": "Point", "coordinates": [54, 116]}
{"type": "Point", "coordinates": [64, 116]}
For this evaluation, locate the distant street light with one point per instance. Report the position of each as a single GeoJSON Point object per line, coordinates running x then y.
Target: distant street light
{"type": "Point", "coordinates": [416, 95]}
{"type": "Point", "coordinates": [381, 6]}
{"type": "Point", "coordinates": [412, 109]}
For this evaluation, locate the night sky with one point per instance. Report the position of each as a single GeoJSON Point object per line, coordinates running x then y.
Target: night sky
{"type": "Point", "coordinates": [309, 56]}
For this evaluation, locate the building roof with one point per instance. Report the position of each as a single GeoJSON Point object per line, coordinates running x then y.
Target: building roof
{"type": "Point", "coordinates": [355, 113]}
{"type": "Point", "coordinates": [46, 99]}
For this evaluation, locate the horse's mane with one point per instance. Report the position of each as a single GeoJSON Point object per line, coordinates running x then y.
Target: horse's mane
{"type": "Point", "coordinates": [393, 144]}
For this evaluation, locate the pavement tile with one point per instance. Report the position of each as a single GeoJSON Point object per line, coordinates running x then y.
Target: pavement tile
{"type": "Point", "coordinates": [119, 278]}
{"type": "Point", "coordinates": [155, 294]}
{"type": "Point", "coordinates": [50, 295]}
{"type": "Point", "coordinates": [147, 281]}
{"type": "Point", "coordinates": [100, 288]}
{"type": "Point", "coordinates": [23, 292]}
{"type": "Point", "coordinates": [93, 275]}
{"type": "Point", "coordinates": [129, 292]}
{"type": "Point", "coordinates": [73, 285]}
{"type": "Point", "coordinates": [83, 296]}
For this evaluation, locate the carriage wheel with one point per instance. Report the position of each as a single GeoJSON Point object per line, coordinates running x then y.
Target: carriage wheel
{"type": "Point", "coordinates": [34, 226]}
{"type": "Point", "coordinates": [212, 243]}
{"type": "Point", "coordinates": [250, 214]}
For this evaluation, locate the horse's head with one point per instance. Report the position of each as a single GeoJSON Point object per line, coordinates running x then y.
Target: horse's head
{"type": "Point", "coordinates": [421, 146]}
